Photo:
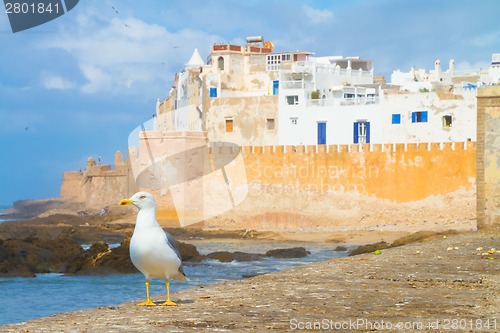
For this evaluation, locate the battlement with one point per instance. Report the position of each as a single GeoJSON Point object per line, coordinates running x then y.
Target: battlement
{"type": "Point", "coordinates": [349, 148]}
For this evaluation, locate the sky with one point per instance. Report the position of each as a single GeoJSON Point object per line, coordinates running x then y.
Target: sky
{"type": "Point", "coordinates": [77, 86]}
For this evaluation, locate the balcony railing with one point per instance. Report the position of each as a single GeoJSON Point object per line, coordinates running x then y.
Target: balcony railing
{"type": "Point", "coordinates": [299, 84]}
{"type": "Point", "coordinates": [325, 102]}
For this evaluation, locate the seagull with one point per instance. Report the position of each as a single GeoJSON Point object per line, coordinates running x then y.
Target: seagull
{"type": "Point", "coordinates": [116, 10]}
{"type": "Point", "coordinates": [152, 250]}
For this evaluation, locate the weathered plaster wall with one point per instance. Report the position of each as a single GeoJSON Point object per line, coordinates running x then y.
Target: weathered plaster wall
{"type": "Point", "coordinates": [424, 187]}
{"type": "Point", "coordinates": [399, 173]}
{"type": "Point", "coordinates": [249, 115]}
{"type": "Point", "coordinates": [438, 104]}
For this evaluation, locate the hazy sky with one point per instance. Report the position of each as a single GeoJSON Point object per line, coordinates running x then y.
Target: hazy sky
{"type": "Point", "coordinates": [76, 86]}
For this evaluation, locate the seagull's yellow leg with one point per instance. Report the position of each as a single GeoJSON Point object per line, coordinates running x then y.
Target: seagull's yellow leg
{"type": "Point", "coordinates": [168, 301]}
{"type": "Point", "coordinates": [149, 302]}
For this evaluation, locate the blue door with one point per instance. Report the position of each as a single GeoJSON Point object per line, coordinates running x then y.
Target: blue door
{"type": "Point", "coordinates": [276, 85]}
{"type": "Point", "coordinates": [321, 133]}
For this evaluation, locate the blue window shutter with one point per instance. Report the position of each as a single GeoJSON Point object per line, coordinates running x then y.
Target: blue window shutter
{"type": "Point", "coordinates": [213, 92]}
{"type": "Point", "coordinates": [355, 133]}
{"type": "Point", "coordinates": [367, 132]}
{"type": "Point", "coordinates": [276, 85]}
{"type": "Point", "coordinates": [396, 118]}
{"type": "Point", "coordinates": [321, 133]}
{"type": "Point", "coordinates": [413, 117]}
{"type": "Point", "coordinates": [424, 116]}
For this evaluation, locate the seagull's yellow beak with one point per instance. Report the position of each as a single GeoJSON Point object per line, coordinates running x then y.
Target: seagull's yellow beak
{"type": "Point", "coordinates": [126, 202]}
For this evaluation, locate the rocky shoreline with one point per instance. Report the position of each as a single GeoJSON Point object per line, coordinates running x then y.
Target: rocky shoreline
{"type": "Point", "coordinates": [53, 244]}
{"type": "Point", "coordinates": [46, 245]}
{"type": "Point", "coordinates": [447, 284]}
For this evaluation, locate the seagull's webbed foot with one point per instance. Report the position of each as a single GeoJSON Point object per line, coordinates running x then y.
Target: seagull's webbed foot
{"type": "Point", "coordinates": [147, 303]}
{"type": "Point", "coordinates": [168, 303]}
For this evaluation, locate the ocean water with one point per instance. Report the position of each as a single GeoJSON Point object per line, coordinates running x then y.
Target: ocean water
{"type": "Point", "coordinates": [23, 299]}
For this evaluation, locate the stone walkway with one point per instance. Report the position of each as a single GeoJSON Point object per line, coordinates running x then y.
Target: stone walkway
{"type": "Point", "coordinates": [436, 286]}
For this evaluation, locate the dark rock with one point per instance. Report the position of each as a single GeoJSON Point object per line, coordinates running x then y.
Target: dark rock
{"type": "Point", "coordinates": [340, 249]}
{"type": "Point", "coordinates": [248, 276]}
{"type": "Point", "coordinates": [225, 256]}
{"type": "Point", "coordinates": [295, 252]}
{"type": "Point", "coordinates": [369, 248]}
{"type": "Point", "coordinates": [188, 251]}
{"type": "Point", "coordinates": [421, 236]}
{"type": "Point", "coordinates": [18, 257]}
{"type": "Point", "coordinates": [99, 259]}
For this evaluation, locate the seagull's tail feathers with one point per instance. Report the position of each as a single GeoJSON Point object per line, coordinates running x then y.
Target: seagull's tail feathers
{"type": "Point", "coordinates": [180, 276]}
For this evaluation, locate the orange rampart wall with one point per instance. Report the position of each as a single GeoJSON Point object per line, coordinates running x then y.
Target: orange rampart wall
{"type": "Point", "coordinates": [397, 172]}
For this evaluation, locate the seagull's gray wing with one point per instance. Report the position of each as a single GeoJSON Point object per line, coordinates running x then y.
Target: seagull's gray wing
{"type": "Point", "coordinates": [173, 244]}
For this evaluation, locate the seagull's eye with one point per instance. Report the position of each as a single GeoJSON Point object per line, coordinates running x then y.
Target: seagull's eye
{"type": "Point", "coordinates": [142, 197]}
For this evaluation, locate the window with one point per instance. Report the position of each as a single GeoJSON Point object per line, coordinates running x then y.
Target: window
{"type": "Point", "coordinates": [229, 125]}
{"type": "Point", "coordinates": [362, 131]}
{"type": "Point", "coordinates": [321, 133]}
{"type": "Point", "coordinates": [396, 118]}
{"type": "Point", "coordinates": [220, 63]}
{"type": "Point", "coordinates": [292, 100]}
{"type": "Point", "coordinates": [294, 121]}
{"type": "Point", "coordinates": [419, 117]}
{"type": "Point", "coordinates": [447, 121]}
{"type": "Point", "coordinates": [270, 123]}
{"type": "Point", "coordinates": [213, 92]}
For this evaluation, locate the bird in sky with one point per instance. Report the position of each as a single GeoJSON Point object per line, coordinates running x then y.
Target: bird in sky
{"type": "Point", "coordinates": [153, 251]}
{"type": "Point", "coordinates": [116, 10]}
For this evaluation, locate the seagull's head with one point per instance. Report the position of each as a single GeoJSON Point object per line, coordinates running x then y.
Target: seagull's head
{"type": "Point", "coordinates": [141, 200]}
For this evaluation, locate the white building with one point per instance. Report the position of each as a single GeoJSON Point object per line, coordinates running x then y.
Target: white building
{"type": "Point", "coordinates": [250, 95]}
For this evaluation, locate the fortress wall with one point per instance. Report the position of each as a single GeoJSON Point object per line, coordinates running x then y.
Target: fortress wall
{"type": "Point", "coordinates": [99, 185]}
{"type": "Point", "coordinates": [351, 187]}
{"type": "Point", "coordinates": [397, 172]}
{"type": "Point", "coordinates": [71, 186]}
{"type": "Point", "coordinates": [325, 188]}
{"type": "Point", "coordinates": [488, 160]}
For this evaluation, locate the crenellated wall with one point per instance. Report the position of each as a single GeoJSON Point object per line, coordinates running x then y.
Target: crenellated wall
{"type": "Point", "coordinates": [325, 188]}
{"type": "Point", "coordinates": [99, 186]}
{"type": "Point", "coordinates": [356, 187]}
{"type": "Point", "coordinates": [397, 172]}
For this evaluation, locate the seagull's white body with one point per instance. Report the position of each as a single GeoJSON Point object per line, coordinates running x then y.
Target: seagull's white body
{"type": "Point", "coordinates": [152, 250]}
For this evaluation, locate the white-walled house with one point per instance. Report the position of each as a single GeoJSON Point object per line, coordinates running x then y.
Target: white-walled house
{"type": "Point", "coordinates": [250, 95]}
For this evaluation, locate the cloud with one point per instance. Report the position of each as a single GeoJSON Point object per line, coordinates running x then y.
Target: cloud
{"type": "Point", "coordinates": [318, 16]}
{"type": "Point", "coordinates": [57, 82]}
{"type": "Point", "coordinates": [125, 55]}
{"type": "Point", "coordinates": [486, 39]}
{"type": "Point", "coordinates": [97, 80]}
{"type": "Point", "coordinates": [465, 65]}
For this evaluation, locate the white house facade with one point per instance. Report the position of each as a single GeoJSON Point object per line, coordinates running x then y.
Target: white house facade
{"type": "Point", "coordinates": [251, 95]}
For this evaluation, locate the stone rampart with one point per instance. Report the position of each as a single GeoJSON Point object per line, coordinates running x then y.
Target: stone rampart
{"type": "Point", "coordinates": [339, 187]}
{"type": "Point", "coordinates": [325, 187]}
{"type": "Point", "coordinates": [397, 172]}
